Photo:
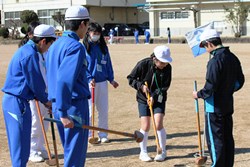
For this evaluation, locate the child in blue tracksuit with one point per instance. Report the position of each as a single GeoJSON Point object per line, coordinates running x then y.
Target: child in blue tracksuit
{"type": "Point", "coordinates": [24, 82]}
{"type": "Point", "coordinates": [100, 71]}
{"type": "Point", "coordinates": [111, 35]}
{"type": "Point", "coordinates": [136, 34]}
{"type": "Point", "coordinates": [147, 36]}
{"type": "Point", "coordinates": [37, 151]}
{"type": "Point", "coordinates": [68, 88]}
{"type": "Point", "coordinates": [224, 77]}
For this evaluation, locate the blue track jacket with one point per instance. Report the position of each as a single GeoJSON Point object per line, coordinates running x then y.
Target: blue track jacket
{"type": "Point", "coordinates": [24, 79]}
{"type": "Point", "coordinates": [99, 65]}
{"type": "Point", "coordinates": [66, 71]}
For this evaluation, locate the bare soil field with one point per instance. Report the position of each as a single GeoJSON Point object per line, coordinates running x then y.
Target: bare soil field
{"type": "Point", "coordinates": [179, 121]}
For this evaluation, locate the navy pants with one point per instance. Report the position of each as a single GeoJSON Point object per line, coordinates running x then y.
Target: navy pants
{"type": "Point", "coordinates": [219, 134]}
{"type": "Point", "coordinates": [136, 40]}
{"type": "Point", "coordinates": [17, 117]}
{"type": "Point", "coordinates": [147, 39]}
{"type": "Point", "coordinates": [74, 140]}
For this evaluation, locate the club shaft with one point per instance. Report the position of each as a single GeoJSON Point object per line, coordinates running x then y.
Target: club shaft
{"type": "Point", "coordinates": [95, 128]}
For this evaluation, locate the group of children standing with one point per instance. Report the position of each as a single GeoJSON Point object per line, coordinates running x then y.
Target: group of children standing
{"type": "Point", "coordinates": [73, 68]}
{"type": "Point", "coordinates": [71, 71]}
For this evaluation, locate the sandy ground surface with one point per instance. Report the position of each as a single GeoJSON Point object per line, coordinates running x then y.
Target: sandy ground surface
{"type": "Point", "coordinates": [180, 120]}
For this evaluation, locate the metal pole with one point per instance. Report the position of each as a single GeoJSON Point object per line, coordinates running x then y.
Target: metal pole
{"type": "Point", "coordinates": [2, 13]}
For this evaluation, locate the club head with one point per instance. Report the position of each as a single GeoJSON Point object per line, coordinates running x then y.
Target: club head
{"type": "Point", "coordinates": [159, 151]}
{"type": "Point", "coordinates": [93, 140]}
{"type": "Point", "coordinates": [51, 162]}
{"type": "Point", "coordinates": [138, 136]}
{"type": "Point", "coordinates": [200, 160]}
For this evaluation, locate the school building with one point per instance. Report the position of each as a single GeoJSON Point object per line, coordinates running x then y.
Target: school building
{"type": "Point", "coordinates": [179, 16]}
{"type": "Point", "coordinates": [102, 11]}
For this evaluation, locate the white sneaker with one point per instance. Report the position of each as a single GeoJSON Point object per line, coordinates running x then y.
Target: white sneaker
{"type": "Point", "coordinates": [144, 157]}
{"type": "Point", "coordinates": [104, 140]}
{"type": "Point", "coordinates": [160, 157]}
{"type": "Point", "coordinates": [36, 158]}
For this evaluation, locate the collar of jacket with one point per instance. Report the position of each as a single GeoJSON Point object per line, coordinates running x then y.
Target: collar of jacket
{"type": "Point", "coordinates": [33, 45]}
{"type": "Point", "coordinates": [219, 47]}
{"type": "Point", "coordinates": [93, 43]}
{"type": "Point", "coordinates": [71, 34]}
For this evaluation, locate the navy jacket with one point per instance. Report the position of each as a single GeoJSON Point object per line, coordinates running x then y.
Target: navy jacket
{"type": "Point", "coordinates": [143, 72]}
{"type": "Point", "coordinates": [224, 77]}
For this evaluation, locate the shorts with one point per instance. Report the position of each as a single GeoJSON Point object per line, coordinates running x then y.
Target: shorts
{"type": "Point", "coordinates": [157, 108]}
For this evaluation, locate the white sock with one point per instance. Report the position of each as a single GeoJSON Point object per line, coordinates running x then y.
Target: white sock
{"type": "Point", "coordinates": [143, 144]}
{"type": "Point", "coordinates": [162, 139]}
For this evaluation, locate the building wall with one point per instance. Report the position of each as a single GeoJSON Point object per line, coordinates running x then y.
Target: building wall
{"type": "Point", "coordinates": [117, 15]}
{"type": "Point", "coordinates": [180, 26]}
{"type": "Point", "coordinates": [102, 11]}
{"type": "Point", "coordinates": [207, 11]}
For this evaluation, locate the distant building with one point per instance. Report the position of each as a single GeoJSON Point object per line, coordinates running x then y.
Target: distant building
{"type": "Point", "coordinates": [179, 16]}
{"type": "Point", "coordinates": [102, 11]}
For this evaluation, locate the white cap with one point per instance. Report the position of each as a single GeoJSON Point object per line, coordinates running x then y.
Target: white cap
{"type": "Point", "coordinates": [76, 13]}
{"type": "Point", "coordinates": [207, 34]}
{"type": "Point", "coordinates": [44, 30]}
{"type": "Point", "coordinates": [162, 53]}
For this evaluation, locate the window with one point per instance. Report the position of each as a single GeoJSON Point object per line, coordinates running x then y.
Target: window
{"type": "Point", "coordinates": [178, 15]}
{"type": "Point", "coordinates": [184, 15]}
{"type": "Point", "coordinates": [12, 19]}
{"type": "Point", "coordinates": [174, 15]}
{"type": "Point", "coordinates": [45, 16]}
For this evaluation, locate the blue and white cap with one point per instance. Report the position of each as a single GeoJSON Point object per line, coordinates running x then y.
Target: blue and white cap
{"type": "Point", "coordinates": [162, 53]}
{"type": "Point", "coordinates": [44, 30]}
{"type": "Point", "coordinates": [208, 34]}
{"type": "Point", "coordinates": [77, 13]}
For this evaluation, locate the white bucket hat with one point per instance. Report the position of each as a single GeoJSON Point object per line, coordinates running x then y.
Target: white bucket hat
{"type": "Point", "coordinates": [76, 13]}
{"type": "Point", "coordinates": [208, 34]}
{"type": "Point", "coordinates": [162, 53]}
{"type": "Point", "coordinates": [44, 30]}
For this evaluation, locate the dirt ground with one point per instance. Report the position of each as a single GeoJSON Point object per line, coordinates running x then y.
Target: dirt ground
{"type": "Point", "coordinates": [180, 120]}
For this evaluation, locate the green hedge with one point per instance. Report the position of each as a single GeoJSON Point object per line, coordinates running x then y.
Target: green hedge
{"type": "Point", "coordinates": [4, 32]}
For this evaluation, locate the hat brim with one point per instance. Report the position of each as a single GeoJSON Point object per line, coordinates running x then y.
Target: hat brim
{"type": "Point", "coordinates": [202, 44]}
{"type": "Point", "coordinates": [168, 60]}
{"type": "Point", "coordinates": [47, 36]}
{"type": "Point", "coordinates": [77, 18]}
{"type": "Point", "coordinates": [54, 36]}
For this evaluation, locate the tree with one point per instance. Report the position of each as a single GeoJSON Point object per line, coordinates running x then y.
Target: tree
{"type": "Point", "coordinates": [237, 16]}
{"type": "Point", "coordinates": [4, 32]}
{"type": "Point", "coordinates": [28, 16]}
{"type": "Point", "coordinates": [59, 18]}
{"type": "Point", "coordinates": [195, 11]}
{"type": "Point", "coordinates": [13, 26]}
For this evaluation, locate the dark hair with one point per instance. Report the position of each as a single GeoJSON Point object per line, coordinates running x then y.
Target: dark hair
{"type": "Point", "coordinates": [47, 39]}
{"type": "Point", "coordinates": [152, 55]}
{"type": "Point", "coordinates": [29, 31]}
{"type": "Point", "coordinates": [215, 41]}
{"type": "Point", "coordinates": [73, 25]}
{"type": "Point", "coordinates": [95, 27]}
